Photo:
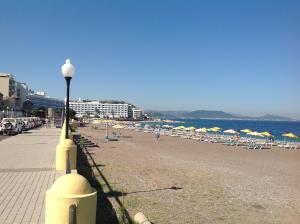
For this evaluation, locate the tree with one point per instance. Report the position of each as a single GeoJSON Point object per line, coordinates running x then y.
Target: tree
{"type": "Point", "coordinates": [97, 112]}
{"type": "Point", "coordinates": [27, 107]}
{"type": "Point", "coordinates": [8, 102]}
{"type": "Point", "coordinates": [72, 113]}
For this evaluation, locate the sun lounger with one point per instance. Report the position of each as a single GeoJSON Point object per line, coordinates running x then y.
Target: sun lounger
{"type": "Point", "coordinates": [288, 146]}
{"type": "Point", "coordinates": [253, 146]}
{"type": "Point", "coordinates": [196, 138]}
{"type": "Point", "coordinates": [230, 143]}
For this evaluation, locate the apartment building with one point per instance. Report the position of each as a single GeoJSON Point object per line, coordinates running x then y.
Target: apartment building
{"type": "Point", "coordinates": [137, 114]}
{"type": "Point", "coordinates": [8, 85]}
{"type": "Point", "coordinates": [18, 94]}
{"type": "Point", "coordinates": [38, 101]}
{"type": "Point", "coordinates": [113, 110]}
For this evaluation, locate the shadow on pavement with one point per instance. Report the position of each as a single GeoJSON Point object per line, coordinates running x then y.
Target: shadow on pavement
{"type": "Point", "coordinates": [105, 211]}
{"type": "Point", "coordinates": [120, 194]}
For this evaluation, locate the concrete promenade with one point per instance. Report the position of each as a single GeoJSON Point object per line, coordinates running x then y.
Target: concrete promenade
{"type": "Point", "coordinates": [27, 170]}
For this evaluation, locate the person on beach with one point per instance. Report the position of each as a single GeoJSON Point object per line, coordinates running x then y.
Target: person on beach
{"type": "Point", "coordinates": [157, 136]}
{"type": "Point", "coordinates": [47, 122]}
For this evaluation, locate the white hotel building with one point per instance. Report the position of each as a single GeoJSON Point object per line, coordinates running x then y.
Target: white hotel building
{"type": "Point", "coordinates": [103, 109]}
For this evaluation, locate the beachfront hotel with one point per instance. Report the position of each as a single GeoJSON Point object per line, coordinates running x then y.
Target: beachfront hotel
{"type": "Point", "coordinates": [137, 113]}
{"type": "Point", "coordinates": [103, 109]}
{"type": "Point", "coordinates": [112, 110]}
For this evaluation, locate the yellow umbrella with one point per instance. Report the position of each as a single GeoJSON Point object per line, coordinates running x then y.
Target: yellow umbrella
{"type": "Point", "coordinates": [117, 126]}
{"type": "Point", "coordinates": [266, 134]}
{"type": "Point", "coordinates": [290, 135]}
{"type": "Point", "coordinates": [254, 133]}
{"type": "Point", "coordinates": [214, 129]}
{"type": "Point", "coordinates": [179, 128]}
{"type": "Point", "coordinates": [246, 131]}
{"type": "Point", "coordinates": [190, 128]}
{"type": "Point", "coordinates": [230, 131]}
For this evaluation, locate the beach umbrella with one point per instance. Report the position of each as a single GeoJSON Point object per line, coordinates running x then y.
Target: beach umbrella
{"type": "Point", "coordinates": [190, 128]}
{"type": "Point", "coordinates": [290, 135]}
{"type": "Point", "coordinates": [179, 128]}
{"type": "Point", "coordinates": [214, 129]}
{"type": "Point", "coordinates": [246, 131]}
{"type": "Point", "coordinates": [266, 134]}
{"type": "Point", "coordinates": [167, 126]}
{"type": "Point", "coordinates": [254, 133]}
{"type": "Point", "coordinates": [201, 130]}
{"type": "Point", "coordinates": [117, 126]}
{"type": "Point", "coordinates": [230, 131]}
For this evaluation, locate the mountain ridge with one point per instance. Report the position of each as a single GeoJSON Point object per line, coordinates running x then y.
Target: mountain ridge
{"type": "Point", "coordinates": [212, 114]}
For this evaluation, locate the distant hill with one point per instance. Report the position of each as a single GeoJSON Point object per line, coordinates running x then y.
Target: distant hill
{"type": "Point", "coordinates": [274, 118]}
{"type": "Point", "coordinates": [166, 114]}
{"type": "Point", "coordinates": [210, 114]}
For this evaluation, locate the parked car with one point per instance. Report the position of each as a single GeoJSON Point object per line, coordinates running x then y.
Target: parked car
{"type": "Point", "coordinates": [12, 126]}
{"type": "Point", "coordinates": [25, 123]}
{"type": "Point", "coordinates": [31, 122]}
{"type": "Point", "coordinates": [37, 121]}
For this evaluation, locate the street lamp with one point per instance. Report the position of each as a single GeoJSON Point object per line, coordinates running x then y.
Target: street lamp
{"type": "Point", "coordinates": [68, 71]}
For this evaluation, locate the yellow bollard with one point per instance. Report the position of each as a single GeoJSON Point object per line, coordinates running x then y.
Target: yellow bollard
{"type": "Point", "coordinates": [64, 147]}
{"type": "Point", "coordinates": [63, 133]}
{"type": "Point", "coordinates": [71, 189]}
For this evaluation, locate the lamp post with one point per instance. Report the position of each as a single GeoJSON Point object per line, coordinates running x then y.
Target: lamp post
{"type": "Point", "coordinates": [68, 72]}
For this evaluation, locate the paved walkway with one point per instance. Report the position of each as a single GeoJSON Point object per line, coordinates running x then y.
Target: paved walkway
{"type": "Point", "coordinates": [27, 170]}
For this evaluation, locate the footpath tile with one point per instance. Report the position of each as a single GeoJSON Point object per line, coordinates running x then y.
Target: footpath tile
{"type": "Point", "coordinates": [26, 172]}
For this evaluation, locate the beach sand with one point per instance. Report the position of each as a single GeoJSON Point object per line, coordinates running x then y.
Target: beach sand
{"type": "Point", "coordinates": [175, 180]}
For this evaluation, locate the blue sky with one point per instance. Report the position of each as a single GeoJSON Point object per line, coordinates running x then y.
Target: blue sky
{"type": "Point", "coordinates": [237, 56]}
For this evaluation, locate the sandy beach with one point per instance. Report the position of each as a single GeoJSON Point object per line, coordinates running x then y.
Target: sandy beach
{"type": "Point", "coordinates": [175, 180]}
